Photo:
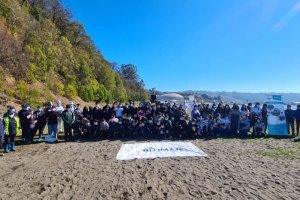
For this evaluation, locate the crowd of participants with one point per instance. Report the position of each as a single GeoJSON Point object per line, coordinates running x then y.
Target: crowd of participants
{"type": "Point", "coordinates": [160, 120]}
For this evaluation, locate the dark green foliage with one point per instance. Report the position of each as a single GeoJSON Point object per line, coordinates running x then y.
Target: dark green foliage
{"type": "Point", "coordinates": [132, 82]}
{"type": "Point", "coordinates": [30, 96]}
{"type": "Point", "coordinates": [42, 44]}
{"type": "Point", "coordinates": [5, 11]}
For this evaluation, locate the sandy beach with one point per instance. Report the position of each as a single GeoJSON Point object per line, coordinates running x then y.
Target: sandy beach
{"type": "Point", "coordinates": [235, 169]}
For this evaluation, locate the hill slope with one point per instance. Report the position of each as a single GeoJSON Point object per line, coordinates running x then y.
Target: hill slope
{"type": "Point", "coordinates": [44, 54]}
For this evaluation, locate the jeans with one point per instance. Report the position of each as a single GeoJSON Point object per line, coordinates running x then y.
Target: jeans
{"type": "Point", "coordinates": [52, 129]}
{"type": "Point", "coordinates": [292, 125]}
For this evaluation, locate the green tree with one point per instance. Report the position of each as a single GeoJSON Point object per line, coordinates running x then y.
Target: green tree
{"type": "Point", "coordinates": [70, 91]}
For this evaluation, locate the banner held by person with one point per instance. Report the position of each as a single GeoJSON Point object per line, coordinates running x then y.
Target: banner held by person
{"type": "Point", "coordinates": [159, 150]}
{"type": "Point", "coordinates": [276, 116]}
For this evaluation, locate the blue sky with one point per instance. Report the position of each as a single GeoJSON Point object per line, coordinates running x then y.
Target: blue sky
{"type": "Point", "coordinates": [216, 45]}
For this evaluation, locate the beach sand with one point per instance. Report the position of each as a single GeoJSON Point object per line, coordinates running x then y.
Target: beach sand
{"type": "Point", "coordinates": [235, 169]}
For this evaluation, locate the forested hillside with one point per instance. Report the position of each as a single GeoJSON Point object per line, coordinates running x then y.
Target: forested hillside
{"type": "Point", "coordinates": [45, 54]}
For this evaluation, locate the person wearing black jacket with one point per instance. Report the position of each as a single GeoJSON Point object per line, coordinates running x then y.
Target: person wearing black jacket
{"type": "Point", "coordinates": [85, 112]}
{"type": "Point", "coordinates": [150, 128]}
{"type": "Point", "coordinates": [183, 126]}
{"type": "Point", "coordinates": [133, 109]}
{"type": "Point", "coordinates": [97, 112]}
{"type": "Point", "coordinates": [107, 112]}
{"type": "Point", "coordinates": [264, 114]}
{"type": "Point", "coordinates": [126, 109]}
{"type": "Point", "coordinates": [41, 121]}
{"type": "Point", "coordinates": [24, 116]}
{"type": "Point", "coordinates": [220, 109]}
{"type": "Point", "coordinates": [290, 119]}
{"type": "Point", "coordinates": [52, 119]}
{"type": "Point", "coordinates": [32, 126]}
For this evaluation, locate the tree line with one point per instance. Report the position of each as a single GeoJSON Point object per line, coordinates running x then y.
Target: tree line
{"type": "Point", "coordinates": [40, 42]}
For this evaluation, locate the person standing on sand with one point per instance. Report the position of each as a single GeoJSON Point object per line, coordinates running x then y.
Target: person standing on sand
{"type": "Point", "coordinates": [97, 112]}
{"type": "Point", "coordinates": [1, 134]}
{"type": "Point", "coordinates": [290, 119]}
{"type": "Point", "coordinates": [11, 129]}
{"type": "Point", "coordinates": [297, 117]}
{"type": "Point", "coordinates": [264, 114]}
{"type": "Point", "coordinates": [52, 117]}
{"type": "Point", "coordinates": [24, 117]}
{"type": "Point", "coordinates": [107, 112]}
{"type": "Point", "coordinates": [235, 116]}
{"type": "Point", "coordinates": [41, 121]}
{"type": "Point", "coordinates": [68, 119]}
{"type": "Point", "coordinates": [78, 110]}
{"type": "Point", "coordinates": [72, 109]}
{"type": "Point", "coordinates": [255, 114]}
{"type": "Point", "coordinates": [32, 126]}
{"type": "Point", "coordinates": [59, 109]}
{"type": "Point", "coordinates": [85, 113]}
{"type": "Point", "coordinates": [244, 111]}
{"type": "Point", "coordinates": [119, 111]}
{"type": "Point", "coordinates": [249, 107]}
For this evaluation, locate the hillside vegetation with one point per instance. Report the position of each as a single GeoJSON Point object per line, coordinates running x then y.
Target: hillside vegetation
{"type": "Point", "coordinates": [45, 54]}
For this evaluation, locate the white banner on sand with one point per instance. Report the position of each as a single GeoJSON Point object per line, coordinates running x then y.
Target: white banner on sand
{"type": "Point", "coordinates": [158, 150]}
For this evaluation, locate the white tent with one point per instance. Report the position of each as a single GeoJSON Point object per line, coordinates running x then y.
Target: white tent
{"type": "Point", "coordinates": [173, 97]}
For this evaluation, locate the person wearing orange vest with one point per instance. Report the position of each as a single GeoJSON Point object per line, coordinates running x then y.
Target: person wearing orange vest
{"type": "Point", "coordinates": [11, 129]}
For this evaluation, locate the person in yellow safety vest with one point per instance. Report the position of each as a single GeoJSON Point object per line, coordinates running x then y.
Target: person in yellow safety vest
{"type": "Point", "coordinates": [11, 129]}
{"type": "Point", "coordinates": [1, 133]}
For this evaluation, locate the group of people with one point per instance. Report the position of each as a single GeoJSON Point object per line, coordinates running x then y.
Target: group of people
{"type": "Point", "coordinates": [159, 120]}
{"type": "Point", "coordinates": [30, 122]}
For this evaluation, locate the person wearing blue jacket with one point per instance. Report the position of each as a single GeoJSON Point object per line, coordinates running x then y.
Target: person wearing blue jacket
{"type": "Point", "coordinates": [290, 119]}
{"type": "Point", "coordinates": [297, 116]}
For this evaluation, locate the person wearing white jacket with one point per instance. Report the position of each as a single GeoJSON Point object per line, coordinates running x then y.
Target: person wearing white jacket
{"type": "Point", "coordinates": [60, 110]}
